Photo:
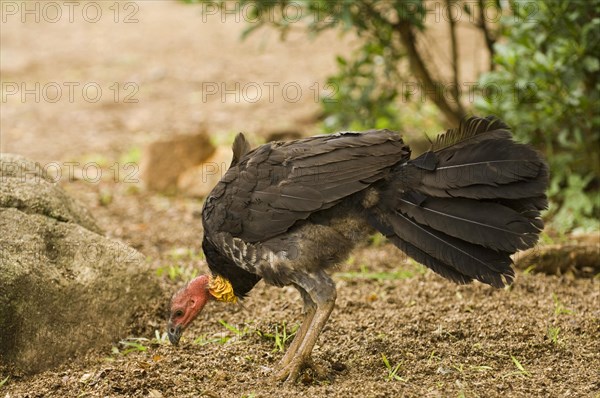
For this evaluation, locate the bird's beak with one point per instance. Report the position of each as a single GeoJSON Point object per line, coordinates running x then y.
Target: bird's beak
{"type": "Point", "coordinates": [174, 333]}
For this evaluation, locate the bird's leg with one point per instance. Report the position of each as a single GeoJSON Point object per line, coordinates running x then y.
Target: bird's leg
{"type": "Point", "coordinates": [324, 295]}
{"type": "Point", "coordinates": [302, 357]}
{"type": "Point", "coordinates": [309, 313]}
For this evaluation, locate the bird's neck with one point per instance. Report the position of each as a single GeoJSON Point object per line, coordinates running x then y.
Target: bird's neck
{"type": "Point", "coordinates": [221, 290]}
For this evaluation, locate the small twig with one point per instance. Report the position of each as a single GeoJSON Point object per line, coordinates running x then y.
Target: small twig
{"type": "Point", "coordinates": [430, 86]}
{"type": "Point", "coordinates": [454, 54]}
{"type": "Point", "coordinates": [489, 39]}
{"type": "Point", "coordinates": [420, 70]}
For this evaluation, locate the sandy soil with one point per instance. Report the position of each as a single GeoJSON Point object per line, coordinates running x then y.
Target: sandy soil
{"type": "Point", "coordinates": [183, 69]}
{"type": "Point", "coordinates": [540, 337]}
{"type": "Point", "coordinates": [448, 340]}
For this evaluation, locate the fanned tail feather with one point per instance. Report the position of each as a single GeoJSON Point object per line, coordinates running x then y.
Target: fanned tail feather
{"type": "Point", "coordinates": [466, 205]}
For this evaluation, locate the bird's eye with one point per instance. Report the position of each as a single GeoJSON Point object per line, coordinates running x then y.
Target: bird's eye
{"type": "Point", "coordinates": [178, 313]}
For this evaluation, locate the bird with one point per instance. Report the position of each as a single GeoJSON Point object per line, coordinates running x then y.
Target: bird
{"type": "Point", "coordinates": [289, 212]}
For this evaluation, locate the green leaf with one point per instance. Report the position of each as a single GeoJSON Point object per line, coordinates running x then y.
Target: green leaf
{"type": "Point", "coordinates": [591, 64]}
{"type": "Point", "coordinates": [520, 367]}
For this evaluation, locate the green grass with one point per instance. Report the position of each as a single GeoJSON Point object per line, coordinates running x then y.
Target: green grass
{"type": "Point", "coordinates": [392, 370]}
{"type": "Point", "coordinates": [281, 336]}
{"type": "Point", "coordinates": [559, 308]}
{"type": "Point", "coordinates": [480, 368]}
{"type": "Point", "coordinates": [180, 269]}
{"type": "Point", "coordinates": [553, 332]}
{"type": "Point", "coordinates": [3, 382]}
{"type": "Point", "coordinates": [529, 269]}
{"type": "Point", "coordinates": [233, 329]}
{"type": "Point", "coordinates": [185, 254]}
{"type": "Point", "coordinates": [132, 344]}
{"type": "Point", "coordinates": [133, 155]}
{"type": "Point", "coordinates": [459, 368]}
{"type": "Point", "coordinates": [105, 197]}
{"type": "Point", "coordinates": [177, 272]}
{"type": "Point", "coordinates": [521, 369]}
{"type": "Point", "coordinates": [432, 357]}
{"type": "Point", "coordinates": [366, 273]}
{"type": "Point", "coordinates": [204, 340]}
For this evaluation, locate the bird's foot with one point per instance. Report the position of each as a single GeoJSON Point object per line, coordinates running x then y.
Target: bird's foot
{"type": "Point", "coordinates": [289, 373]}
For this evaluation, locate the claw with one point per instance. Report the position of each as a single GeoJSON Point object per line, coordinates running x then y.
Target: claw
{"type": "Point", "coordinates": [290, 372]}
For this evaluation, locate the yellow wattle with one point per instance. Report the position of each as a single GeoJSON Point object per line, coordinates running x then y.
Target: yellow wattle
{"type": "Point", "coordinates": [221, 289]}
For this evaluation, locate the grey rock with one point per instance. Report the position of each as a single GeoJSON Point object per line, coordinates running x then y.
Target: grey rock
{"type": "Point", "coordinates": [13, 165]}
{"type": "Point", "coordinates": [25, 185]}
{"type": "Point", "coordinates": [64, 288]}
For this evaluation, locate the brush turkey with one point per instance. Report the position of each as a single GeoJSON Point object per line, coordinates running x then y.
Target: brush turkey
{"type": "Point", "coordinates": [287, 212]}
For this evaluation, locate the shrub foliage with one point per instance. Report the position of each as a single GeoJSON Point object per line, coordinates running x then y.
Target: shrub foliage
{"type": "Point", "coordinates": [544, 70]}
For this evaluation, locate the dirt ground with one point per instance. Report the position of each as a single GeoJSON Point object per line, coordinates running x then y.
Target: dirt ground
{"type": "Point", "coordinates": [541, 337]}
{"type": "Point", "coordinates": [448, 340]}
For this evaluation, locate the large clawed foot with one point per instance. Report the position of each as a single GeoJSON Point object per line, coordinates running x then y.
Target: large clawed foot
{"type": "Point", "coordinates": [290, 372]}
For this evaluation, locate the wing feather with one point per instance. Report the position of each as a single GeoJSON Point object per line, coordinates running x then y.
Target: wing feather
{"type": "Point", "coordinates": [274, 186]}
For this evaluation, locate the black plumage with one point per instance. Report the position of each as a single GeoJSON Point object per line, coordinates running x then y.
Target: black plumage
{"type": "Point", "coordinates": [286, 211]}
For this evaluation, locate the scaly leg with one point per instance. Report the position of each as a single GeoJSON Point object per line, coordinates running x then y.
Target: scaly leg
{"type": "Point", "coordinates": [309, 313]}
{"type": "Point", "coordinates": [302, 357]}
{"type": "Point", "coordinates": [324, 295]}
